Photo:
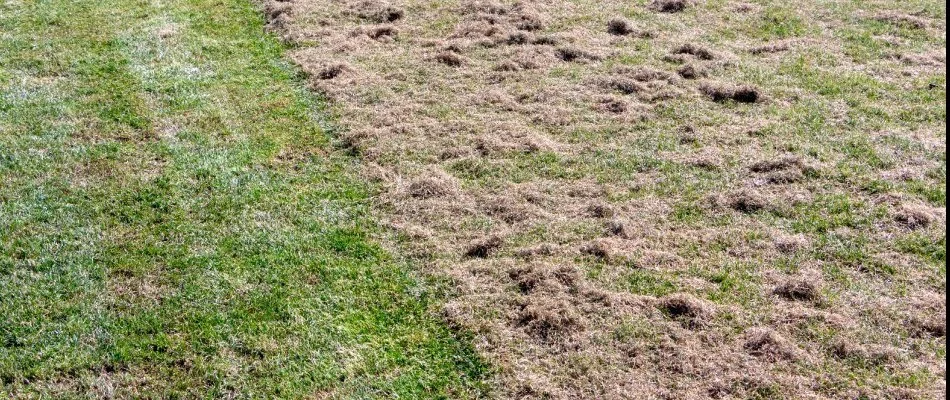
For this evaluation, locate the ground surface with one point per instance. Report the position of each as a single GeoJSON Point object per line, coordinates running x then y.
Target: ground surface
{"type": "Point", "coordinates": [624, 199]}
{"type": "Point", "coordinates": [669, 199]}
{"type": "Point", "coordinates": [172, 224]}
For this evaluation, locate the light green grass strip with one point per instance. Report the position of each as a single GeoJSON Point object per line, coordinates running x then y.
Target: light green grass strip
{"type": "Point", "coordinates": [174, 224]}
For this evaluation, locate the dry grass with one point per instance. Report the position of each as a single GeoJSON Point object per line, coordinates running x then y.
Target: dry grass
{"type": "Point", "coordinates": [735, 188]}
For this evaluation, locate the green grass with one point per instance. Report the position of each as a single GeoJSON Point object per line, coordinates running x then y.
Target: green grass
{"type": "Point", "coordinates": [175, 224]}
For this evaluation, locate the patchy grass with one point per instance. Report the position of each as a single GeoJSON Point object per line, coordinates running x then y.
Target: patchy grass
{"type": "Point", "coordinates": [175, 224]}
{"type": "Point", "coordinates": [722, 151]}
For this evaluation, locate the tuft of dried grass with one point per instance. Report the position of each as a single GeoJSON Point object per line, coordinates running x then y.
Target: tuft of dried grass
{"type": "Point", "coordinates": [876, 355]}
{"type": "Point", "coordinates": [747, 201]}
{"type": "Point", "coordinates": [769, 345]}
{"type": "Point", "coordinates": [333, 71]}
{"type": "Point", "coordinates": [686, 308]}
{"type": "Point", "coordinates": [548, 318]}
{"type": "Point", "coordinates": [904, 20]}
{"type": "Point", "coordinates": [620, 27]}
{"type": "Point", "coordinates": [691, 71]}
{"type": "Point", "coordinates": [694, 50]}
{"type": "Point", "coordinates": [738, 93]}
{"type": "Point", "coordinates": [430, 187]}
{"type": "Point", "coordinates": [670, 6]}
{"type": "Point", "coordinates": [915, 217]}
{"type": "Point", "coordinates": [574, 54]}
{"type": "Point", "coordinates": [482, 248]}
{"type": "Point", "coordinates": [800, 289]}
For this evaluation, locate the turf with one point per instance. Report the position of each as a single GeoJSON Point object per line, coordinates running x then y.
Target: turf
{"type": "Point", "coordinates": [659, 198]}
{"type": "Point", "coordinates": [175, 224]}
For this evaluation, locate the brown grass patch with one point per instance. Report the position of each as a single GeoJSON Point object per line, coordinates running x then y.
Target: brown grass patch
{"type": "Point", "coordinates": [691, 71]}
{"type": "Point", "coordinates": [686, 308]}
{"type": "Point", "coordinates": [574, 54]}
{"type": "Point", "coordinates": [738, 93]}
{"type": "Point", "coordinates": [933, 326]}
{"type": "Point", "coordinates": [915, 217]}
{"type": "Point", "coordinates": [781, 164]}
{"type": "Point", "coordinates": [800, 289]}
{"type": "Point", "coordinates": [748, 201]}
{"type": "Point", "coordinates": [767, 344]}
{"type": "Point", "coordinates": [378, 12]}
{"type": "Point", "coordinates": [548, 318]}
{"type": "Point", "coordinates": [875, 355]}
{"type": "Point", "coordinates": [623, 27]}
{"type": "Point", "coordinates": [483, 248]}
{"type": "Point", "coordinates": [382, 33]}
{"type": "Point", "coordinates": [450, 58]}
{"type": "Point", "coordinates": [520, 119]}
{"type": "Point", "coordinates": [697, 51]}
{"type": "Point", "coordinates": [430, 187]}
{"type": "Point", "coordinates": [904, 20]}
{"type": "Point", "coordinates": [770, 48]}
{"type": "Point", "coordinates": [333, 71]}
{"type": "Point", "coordinates": [670, 6]}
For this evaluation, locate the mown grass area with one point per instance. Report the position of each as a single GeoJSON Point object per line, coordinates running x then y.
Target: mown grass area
{"type": "Point", "coordinates": [175, 224]}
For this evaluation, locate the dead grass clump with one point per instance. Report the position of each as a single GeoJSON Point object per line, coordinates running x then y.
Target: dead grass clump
{"type": "Point", "coordinates": [620, 27]}
{"type": "Point", "coordinates": [568, 276]}
{"type": "Point", "coordinates": [935, 326]}
{"type": "Point", "coordinates": [506, 210]}
{"type": "Point", "coordinates": [573, 54]}
{"type": "Point", "coordinates": [903, 20]}
{"type": "Point", "coordinates": [616, 227]}
{"type": "Point", "coordinates": [876, 355]}
{"type": "Point", "coordinates": [785, 177]}
{"type": "Point", "coordinates": [598, 248]}
{"type": "Point", "coordinates": [669, 6]}
{"type": "Point", "coordinates": [430, 187]}
{"type": "Point", "coordinates": [547, 318]}
{"type": "Point", "coordinates": [518, 38]}
{"type": "Point", "coordinates": [528, 279]}
{"type": "Point", "coordinates": [699, 52]}
{"type": "Point", "coordinates": [782, 171]}
{"type": "Point", "coordinates": [599, 210]}
{"type": "Point", "coordinates": [745, 8]}
{"type": "Point", "coordinates": [767, 344]}
{"type": "Point", "coordinates": [541, 250]}
{"type": "Point", "coordinates": [275, 10]}
{"type": "Point", "coordinates": [914, 217]}
{"type": "Point", "coordinates": [545, 41]}
{"type": "Point", "coordinates": [784, 163]}
{"type": "Point", "coordinates": [723, 93]}
{"type": "Point", "coordinates": [507, 66]}
{"type": "Point", "coordinates": [612, 105]}
{"type": "Point", "coordinates": [482, 248]}
{"type": "Point", "coordinates": [706, 162]}
{"type": "Point", "coordinates": [528, 21]}
{"type": "Point", "coordinates": [770, 48]}
{"type": "Point", "coordinates": [450, 58]}
{"type": "Point", "coordinates": [800, 289]}
{"type": "Point", "coordinates": [485, 7]}
{"type": "Point", "coordinates": [375, 11]}
{"type": "Point", "coordinates": [646, 74]}
{"type": "Point", "coordinates": [788, 244]}
{"type": "Point", "coordinates": [690, 71]}
{"type": "Point", "coordinates": [333, 71]}
{"type": "Point", "coordinates": [382, 33]}
{"type": "Point", "coordinates": [686, 308]}
{"type": "Point", "coordinates": [623, 85]}
{"type": "Point", "coordinates": [747, 201]}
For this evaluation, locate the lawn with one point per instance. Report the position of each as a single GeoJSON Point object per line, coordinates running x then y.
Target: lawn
{"type": "Point", "coordinates": [659, 198]}
{"type": "Point", "coordinates": [176, 223]}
